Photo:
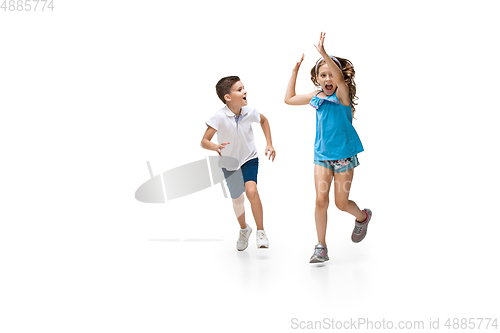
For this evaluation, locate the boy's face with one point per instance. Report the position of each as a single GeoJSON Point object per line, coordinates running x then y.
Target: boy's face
{"type": "Point", "coordinates": [238, 95]}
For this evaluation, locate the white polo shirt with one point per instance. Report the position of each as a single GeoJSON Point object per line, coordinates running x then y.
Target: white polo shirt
{"type": "Point", "coordinates": [239, 135]}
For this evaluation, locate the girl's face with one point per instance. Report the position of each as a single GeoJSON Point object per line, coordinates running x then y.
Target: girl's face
{"type": "Point", "coordinates": [325, 80]}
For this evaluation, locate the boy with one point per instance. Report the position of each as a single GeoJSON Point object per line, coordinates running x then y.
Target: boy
{"type": "Point", "coordinates": [233, 125]}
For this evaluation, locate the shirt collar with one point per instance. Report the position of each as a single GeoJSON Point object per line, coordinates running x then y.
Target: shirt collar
{"type": "Point", "coordinates": [230, 113]}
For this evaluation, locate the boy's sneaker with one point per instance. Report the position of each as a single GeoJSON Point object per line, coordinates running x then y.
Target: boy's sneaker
{"type": "Point", "coordinates": [320, 254]}
{"type": "Point", "coordinates": [242, 242]}
{"type": "Point", "coordinates": [360, 228]}
{"type": "Point", "coordinates": [262, 241]}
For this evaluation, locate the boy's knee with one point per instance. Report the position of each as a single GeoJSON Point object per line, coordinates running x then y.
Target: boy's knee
{"type": "Point", "coordinates": [239, 205]}
{"type": "Point", "coordinates": [239, 201]}
{"type": "Point", "coordinates": [251, 192]}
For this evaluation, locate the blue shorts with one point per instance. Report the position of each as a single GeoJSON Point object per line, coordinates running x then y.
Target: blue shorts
{"type": "Point", "coordinates": [340, 165]}
{"type": "Point", "coordinates": [236, 179]}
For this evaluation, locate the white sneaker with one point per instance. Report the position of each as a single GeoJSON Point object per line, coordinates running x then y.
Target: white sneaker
{"type": "Point", "coordinates": [242, 242]}
{"type": "Point", "coordinates": [262, 241]}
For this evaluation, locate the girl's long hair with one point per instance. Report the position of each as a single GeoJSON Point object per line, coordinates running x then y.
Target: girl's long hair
{"type": "Point", "coordinates": [348, 71]}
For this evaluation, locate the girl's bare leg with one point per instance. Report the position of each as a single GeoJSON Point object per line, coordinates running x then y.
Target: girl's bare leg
{"type": "Point", "coordinates": [322, 181]}
{"type": "Point", "coordinates": [342, 187]}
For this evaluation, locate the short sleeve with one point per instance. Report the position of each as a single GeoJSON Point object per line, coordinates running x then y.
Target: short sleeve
{"type": "Point", "coordinates": [254, 116]}
{"type": "Point", "coordinates": [213, 122]}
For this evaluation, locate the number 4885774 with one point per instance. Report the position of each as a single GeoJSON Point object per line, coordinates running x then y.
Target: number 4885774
{"type": "Point", "coordinates": [27, 5]}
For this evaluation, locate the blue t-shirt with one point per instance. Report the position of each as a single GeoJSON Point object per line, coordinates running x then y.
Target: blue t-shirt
{"type": "Point", "coordinates": [336, 138]}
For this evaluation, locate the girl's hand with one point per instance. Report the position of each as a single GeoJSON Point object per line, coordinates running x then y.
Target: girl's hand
{"type": "Point", "coordinates": [320, 47]}
{"type": "Point", "coordinates": [297, 66]}
{"type": "Point", "coordinates": [271, 151]}
{"type": "Point", "coordinates": [220, 147]}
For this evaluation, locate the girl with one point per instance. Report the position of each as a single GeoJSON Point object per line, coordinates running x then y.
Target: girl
{"type": "Point", "coordinates": [337, 143]}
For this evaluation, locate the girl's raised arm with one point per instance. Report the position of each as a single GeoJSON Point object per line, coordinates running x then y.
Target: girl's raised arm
{"type": "Point", "coordinates": [342, 88]}
{"type": "Point", "coordinates": [290, 97]}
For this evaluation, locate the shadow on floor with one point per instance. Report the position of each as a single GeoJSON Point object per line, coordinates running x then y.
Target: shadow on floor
{"type": "Point", "coordinates": [177, 240]}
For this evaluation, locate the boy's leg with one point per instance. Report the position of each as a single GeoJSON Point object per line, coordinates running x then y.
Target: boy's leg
{"type": "Point", "coordinates": [342, 186]}
{"type": "Point", "coordinates": [322, 181]}
{"type": "Point", "coordinates": [239, 210]}
{"type": "Point", "coordinates": [236, 187]}
{"type": "Point", "coordinates": [254, 198]}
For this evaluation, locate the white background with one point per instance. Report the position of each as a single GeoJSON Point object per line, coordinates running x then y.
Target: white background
{"type": "Point", "coordinates": [92, 90]}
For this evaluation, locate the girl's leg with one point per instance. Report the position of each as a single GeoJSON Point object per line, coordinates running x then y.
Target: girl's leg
{"type": "Point", "coordinates": [342, 186]}
{"type": "Point", "coordinates": [254, 198]}
{"type": "Point", "coordinates": [239, 210]}
{"type": "Point", "coordinates": [322, 181]}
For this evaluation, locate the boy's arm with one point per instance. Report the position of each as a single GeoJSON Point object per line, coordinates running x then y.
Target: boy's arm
{"type": "Point", "coordinates": [338, 76]}
{"type": "Point", "coordinates": [290, 97]}
{"type": "Point", "coordinates": [264, 123]}
{"type": "Point", "coordinates": [207, 137]}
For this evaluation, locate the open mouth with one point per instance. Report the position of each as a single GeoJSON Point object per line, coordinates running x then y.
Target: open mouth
{"type": "Point", "coordinates": [329, 86]}
{"type": "Point", "coordinates": [244, 98]}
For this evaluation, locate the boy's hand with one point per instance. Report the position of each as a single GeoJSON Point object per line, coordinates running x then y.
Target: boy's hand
{"type": "Point", "coordinates": [220, 147]}
{"type": "Point", "coordinates": [320, 47]}
{"type": "Point", "coordinates": [297, 66]}
{"type": "Point", "coordinates": [271, 151]}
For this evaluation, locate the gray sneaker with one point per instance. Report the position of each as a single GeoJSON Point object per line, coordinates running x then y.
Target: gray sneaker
{"type": "Point", "coordinates": [320, 254]}
{"type": "Point", "coordinates": [361, 228]}
{"type": "Point", "coordinates": [242, 242]}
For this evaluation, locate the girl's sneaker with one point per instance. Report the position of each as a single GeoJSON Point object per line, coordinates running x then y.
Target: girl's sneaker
{"type": "Point", "coordinates": [242, 242]}
{"type": "Point", "coordinates": [320, 254]}
{"type": "Point", "coordinates": [361, 228]}
{"type": "Point", "coordinates": [262, 241]}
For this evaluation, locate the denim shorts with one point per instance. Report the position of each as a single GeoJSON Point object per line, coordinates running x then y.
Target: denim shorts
{"type": "Point", "coordinates": [236, 179]}
{"type": "Point", "coordinates": [342, 165]}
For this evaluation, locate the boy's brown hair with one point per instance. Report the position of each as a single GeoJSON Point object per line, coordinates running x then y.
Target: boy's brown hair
{"type": "Point", "coordinates": [224, 85]}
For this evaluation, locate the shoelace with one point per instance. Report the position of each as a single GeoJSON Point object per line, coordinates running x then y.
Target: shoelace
{"type": "Point", "coordinates": [357, 229]}
{"type": "Point", "coordinates": [242, 235]}
{"type": "Point", "coordinates": [261, 235]}
{"type": "Point", "coordinates": [318, 251]}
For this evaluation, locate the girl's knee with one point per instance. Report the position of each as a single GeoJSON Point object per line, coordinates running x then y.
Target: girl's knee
{"type": "Point", "coordinates": [342, 205]}
{"type": "Point", "coordinates": [322, 201]}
